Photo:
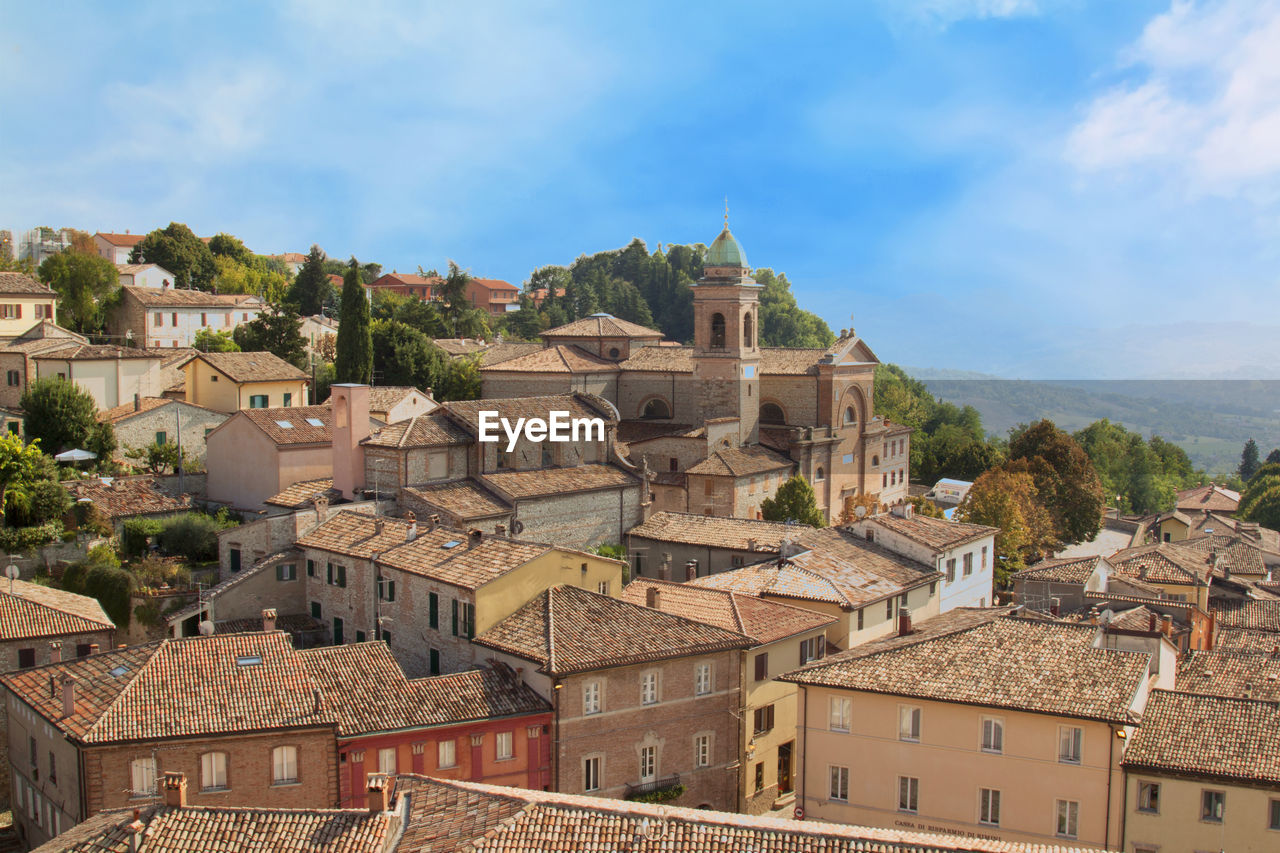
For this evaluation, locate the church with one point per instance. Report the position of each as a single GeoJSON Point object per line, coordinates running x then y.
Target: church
{"type": "Point", "coordinates": [719, 425]}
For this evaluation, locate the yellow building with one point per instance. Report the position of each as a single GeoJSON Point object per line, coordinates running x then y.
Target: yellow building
{"type": "Point", "coordinates": [784, 637]}
{"type": "Point", "coordinates": [24, 302]}
{"type": "Point", "coordinates": [977, 723]}
{"type": "Point", "coordinates": [1203, 773]}
{"type": "Point", "coordinates": [231, 381]}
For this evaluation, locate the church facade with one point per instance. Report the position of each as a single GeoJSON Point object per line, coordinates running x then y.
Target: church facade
{"type": "Point", "coordinates": [720, 424]}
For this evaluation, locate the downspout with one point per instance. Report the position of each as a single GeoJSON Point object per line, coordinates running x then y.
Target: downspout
{"type": "Point", "coordinates": [1111, 745]}
{"type": "Point", "coordinates": [803, 722]}
{"type": "Point", "coordinates": [1124, 808]}
{"type": "Point", "coordinates": [743, 762]}
{"type": "Point", "coordinates": [556, 689]}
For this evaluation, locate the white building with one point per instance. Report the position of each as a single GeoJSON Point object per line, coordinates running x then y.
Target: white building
{"type": "Point", "coordinates": [144, 275]}
{"type": "Point", "coordinates": [964, 553]}
{"type": "Point", "coordinates": [165, 317]}
{"type": "Point", "coordinates": [116, 247]}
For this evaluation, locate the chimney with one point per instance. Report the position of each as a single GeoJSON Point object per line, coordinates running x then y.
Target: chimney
{"type": "Point", "coordinates": [68, 696]}
{"type": "Point", "coordinates": [55, 652]}
{"type": "Point", "coordinates": [1093, 615]}
{"type": "Point", "coordinates": [904, 622]}
{"type": "Point", "coordinates": [412, 533]}
{"type": "Point", "coordinates": [908, 510]}
{"type": "Point", "coordinates": [500, 530]}
{"type": "Point", "coordinates": [137, 402]}
{"type": "Point", "coordinates": [751, 544]}
{"type": "Point", "coordinates": [269, 619]}
{"type": "Point", "coordinates": [317, 700]}
{"type": "Point", "coordinates": [349, 410]}
{"type": "Point", "coordinates": [1055, 606]}
{"type": "Point", "coordinates": [474, 537]}
{"type": "Point", "coordinates": [379, 794]}
{"type": "Point", "coordinates": [175, 789]}
{"type": "Point", "coordinates": [691, 570]}
{"type": "Point", "coordinates": [135, 829]}
{"type": "Point", "coordinates": [652, 597]}
{"type": "Point", "coordinates": [93, 648]}
{"type": "Point", "coordinates": [1151, 623]}
{"type": "Point", "coordinates": [433, 521]}
{"type": "Point", "coordinates": [378, 524]}
{"type": "Point", "coordinates": [322, 508]}
{"type": "Point", "coordinates": [1166, 625]}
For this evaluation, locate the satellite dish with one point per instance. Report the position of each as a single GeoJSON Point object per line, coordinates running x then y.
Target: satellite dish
{"type": "Point", "coordinates": [11, 572]}
{"type": "Point", "coordinates": [206, 628]}
{"type": "Point", "coordinates": [859, 511]}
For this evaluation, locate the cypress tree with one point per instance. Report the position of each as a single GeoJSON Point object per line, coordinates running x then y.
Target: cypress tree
{"type": "Point", "coordinates": [354, 361]}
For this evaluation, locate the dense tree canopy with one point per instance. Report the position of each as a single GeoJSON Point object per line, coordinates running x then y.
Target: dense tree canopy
{"type": "Point", "coordinates": [1145, 476]}
{"type": "Point", "coordinates": [1009, 501]}
{"type": "Point", "coordinates": [277, 330]}
{"type": "Point", "coordinates": [84, 284]}
{"type": "Point", "coordinates": [1249, 460]}
{"type": "Point", "coordinates": [1065, 479]}
{"type": "Point", "coordinates": [312, 290]}
{"type": "Point", "coordinates": [58, 413]}
{"type": "Point", "coordinates": [22, 468]}
{"type": "Point", "coordinates": [181, 252]}
{"type": "Point", "coordinates": [354, 361]}
{"type": "Point", "coordinates": [794, 501]}
{"type": "Point", "coordinates": [1260, 501]}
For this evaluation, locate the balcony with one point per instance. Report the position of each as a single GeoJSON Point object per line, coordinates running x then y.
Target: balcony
{"type": "Point", "coordinates": [657, 791]}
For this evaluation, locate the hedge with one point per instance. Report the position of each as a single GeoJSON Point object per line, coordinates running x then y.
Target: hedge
{"type": "Point", "coordinates": [16, 540]}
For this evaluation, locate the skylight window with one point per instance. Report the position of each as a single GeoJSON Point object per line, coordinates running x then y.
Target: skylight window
{"type": "Point", "coordinates": [453, 543]}
{"type": "Point", "coordinates": [248, 660]}
{"type": "Point", "coordinates": [285, 424]}
{"type": "Point", "coordinates": [118, 671]}
{"type": "Point", "coordinates": [315, 422]}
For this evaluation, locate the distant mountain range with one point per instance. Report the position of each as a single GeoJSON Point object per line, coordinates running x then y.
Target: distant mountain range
{"type": "Point", "coordinates": [1210, 419]}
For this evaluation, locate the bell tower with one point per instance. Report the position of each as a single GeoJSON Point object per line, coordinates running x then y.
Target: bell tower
{"type": "Point", "coordinates": [726, 350]}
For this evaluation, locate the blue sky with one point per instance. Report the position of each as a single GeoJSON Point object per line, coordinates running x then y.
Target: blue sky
{"type": "Point", "coordinates": [1031, 188]}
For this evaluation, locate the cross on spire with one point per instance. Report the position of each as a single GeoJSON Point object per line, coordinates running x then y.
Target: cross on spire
{"type": "Point", "coordinates": [726, 213]}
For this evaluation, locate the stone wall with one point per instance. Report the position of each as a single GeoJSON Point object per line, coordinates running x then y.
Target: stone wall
{"type": "Point", "coordinates": [581, 519]}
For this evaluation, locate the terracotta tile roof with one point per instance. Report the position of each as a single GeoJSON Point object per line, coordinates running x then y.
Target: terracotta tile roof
{"type": "Point", "coordinates": [32, 610]}
{"type": "Point", "coordinates": [742, 461]}
{"type": "Point", "coordinates": [786, 361]}
{"type": "Point", "coordinates": [711, 532]}
{"type": "Point", "coordinates": [369, 692]}
{"type": "Point", "coordinates": [125, 410]}
{"type": "Point", "coordinates": [1073, 570]}
{"type": "Point", "coordinates": [1020, 664]}
{"type": "Point", "coordinates": [501, 351]}
{"type": "Point", "coordinates": [780, 578]}
{"type": "Point", "coordinates": [20, 284]}
{"type": "Point", "coordinates": [292, 623]}
{"type": "Point", "coordinates": [126, 496]}
{"type": "Point", "coordinates": [936, 533]}
{"type": "Point", "coordinates": [636, 432]}
{"type": "Point", "coordinates": [1210, 498]}
{"type": "Point", "coordinates": [1232, 551]}
{"type": "Point", "coordinates": [134, 269]}
{"type": "Point", "coordinates": [602, 326]}
{"type": "Point", "coordinates": [202, 829]}
{"type": "Point", "coordinates": [252, 366]}
{"type": "Point", "coordinates": [178, 688]}
{"type": "Point", "coordinates": [1243, 674]}
{"type": "Point", "coordinates": [382, 398]}
{"type": "Point", "coordinates": [1140, 618]}
{"type": "Point", "coordinates": [554, 481]}
{"type": "Point", "coordinates": [1245, 640]}
{"type": "Point", "coordinates": [566, 629]}
{"type": "Point", "coordinates": [660, 360]}
{"type": "Point", "coordinates": [94, 352]}
{"type": "Point", "coordinates": [493, 284]}
{"type": "Point", "coordinates": [434, 429]}
{"type": "Point", "coordinates": [577, 405]}
{"type": "Point", "coordinates": [1214, 736]}
{"type": "Point", "coordinates": [357, 534]}
{"type": "Point", "coordinates": [305, 424]}
{"type": "Point", "coordinates": [44, 335]}
{"type": "Point", "coordinates": [447, 816]}
{"type": "Point", "coordinates": [1161, 563]}
{"type": "Point", "coordinates": [303, 494]}
{"type": "Point", "coordinates": [169, 297]}
{"type": "Point", "coordinates": [564, 358]}
{"type": "Point", "coordinates": [954, 621]}
{"type": "Point", "coordinates": [763, 621]}
{"type": "Point", "coordinates": [392, 279]}
{"type": "Point", "coordinates": [236, 580]}
{"type": "Point", "coordinates": [463, 499]}
{"type": "Point", "coordinates": [1247, 613]}
{"type": "Point", "coordinates": [121, 239]}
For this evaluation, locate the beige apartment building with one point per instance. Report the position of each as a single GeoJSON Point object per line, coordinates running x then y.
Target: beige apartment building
{"type": "Point", "coordinates": [23, 303]}
{"type": "Point", "coordinates": [980, 724]}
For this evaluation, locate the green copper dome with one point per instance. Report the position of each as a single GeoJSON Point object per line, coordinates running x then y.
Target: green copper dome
{"type": "Point", "coordinates": [725, 252]}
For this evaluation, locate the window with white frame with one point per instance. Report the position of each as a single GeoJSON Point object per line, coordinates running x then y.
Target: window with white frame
{"type": "Point", "coordinates": [908, 794]}
{"type": "Point", "coordinates": [213, 771]}
{"type": "Point", "coordinates": [143, 773]}
{"type": "Point", "coordinates": [284, 765]}
{"type": "Point", "coordinates": [603, 587]}
{"type": "Point", "coordinates": [909, 723]}
{"type": "Point", "coordinates": [841, 712]}
{"type": "Point", "coordinates": [989, 807]}
{"type": "Point", "coordinates": [702, 751]}
{"type": "Point", "coordinates": [1212, 805]}
{"type": "Point", "coordinates": [649, 688]}
{"type": "Point", "coordinates": [502, 747]}
{"type": "Point", "coordinates": [1068, 818]}
{"type": "Point", "coordinates": [591, 697]}
{"type": "Point", "coordinates": [812, 649]}
{"type": "Point", "coordinates": [446, 754]}
{"type": "Point", "coordinates": [648, 763]}
{"type": "Point", "coordinates": [1070, 741]}
{"type": "Point", "coordinates": [591, 773]}
{"type": "Point", "coordinates": [839, 789]}
{"type": "Point", "coordinates": [992, 734]}
{"type": "Point", "coordinates": [702, 679]}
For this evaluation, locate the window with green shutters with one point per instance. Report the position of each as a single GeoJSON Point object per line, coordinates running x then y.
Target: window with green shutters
{"type": "Point", "coordinates": [337, 631]}
{"type": "Point", "coordinates": [311, 568]}
{"type": "Point", "coordinates": [258, 401]}
{"type": "Point", "coordinates": [315, 610]}
{"type": "Point", "coordinates": [455, 616]}
{"type": "Point", "coordinates": [161, 437]}
{"type": "Point", "coordinates": [235, 559]}
{"type": "Point", "coordinates": [435, 661]}
{"type": "Point", "coordinates": [286, 572]}
{"type": "Point", "coordinates": [433, 610]}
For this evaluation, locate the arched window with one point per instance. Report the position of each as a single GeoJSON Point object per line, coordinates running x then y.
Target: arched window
{"type": "Point", "coordinates": [850, 416]}
{"type": "Point", "coordinates": [819, 475]}
{"type": "Point", "coordinates": [746, 331]}
{"type": "Point", "coordinates": [771, 413]}
{"type": "Point", "coordinates": [875, 461]}
{"type": "Point", "coordinates": [717, 331]}
{"type": "Point", "coordinates": [656, 408]}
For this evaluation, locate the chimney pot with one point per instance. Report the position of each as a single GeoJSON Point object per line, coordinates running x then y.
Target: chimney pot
{"type": "Point", "coordinates": [55, 652]}
{"type": "Point", "coordinates": [433, 521]}
{"type": "Point", "coordinates": [1166, 625]}
{"type": "Point", "coordinates": [175, 789]}
{"type": "Point", "coordinates": [652, 597]}
{"type": "Point", "coordinates": [68, 696]}
{"type": "Point", "coordinates": [904, 622]}
{"type": "Point", "coordinates": [751, 544]}
{"type": "Point", "coordinates": [269, 619]}
{"type": "Point", "coordinates": [691, 570]}
{"type": "Point", "coordinates": [1151, 622]}
{"type": "Point", "coordinates": [317, 699]}
{"type": "Point", "coordinates": [137, 402]}
{"type": "Point", "coordinates": [474, 537]}
{"type": "Point", "coordinates": [378, 524]}
{"type": "Point", "coordinates": [93, 648]}
{"type": "Point", "coordinates": [379, 794]}
{"type": "Point", "coordinates": [500, 530]}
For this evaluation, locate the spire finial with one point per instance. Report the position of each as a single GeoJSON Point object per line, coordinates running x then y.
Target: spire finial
{"type": "Point", "coordinates": [726, 213]}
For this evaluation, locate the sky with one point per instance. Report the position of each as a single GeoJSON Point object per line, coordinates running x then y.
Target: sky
{"type": "Point", "coordinates": [1027, 188]}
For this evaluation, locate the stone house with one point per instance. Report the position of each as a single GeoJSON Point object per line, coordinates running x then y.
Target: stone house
{"type": "Point", "coordinates": [160, 420]}
{"type": "Point", "coordinates": [482, 725]}
{"type": "Point", "coordinates": [783, 637]}
{"type": "Point", "coordinates": [231, 381]}
{"type": "Point", "coordinates": [169, 317]}
{"type": "Point", "coordinates": [238, 712]}
{"type": "Point", "coordinates": [667, 543]}
{"type": "Point", "coordinates": [40, 624]}
{"type": "Point", "coordinates": [118, 499]}
{"type": "Point", "coordinates": [645, 701]}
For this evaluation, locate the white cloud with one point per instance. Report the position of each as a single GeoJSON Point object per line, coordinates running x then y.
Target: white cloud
{"type": "Point", "coordinates": [1206, 109]}
{"type": "Point", "coordinates": [944, 12]}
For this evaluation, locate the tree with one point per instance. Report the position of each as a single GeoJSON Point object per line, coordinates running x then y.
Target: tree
{"type": "Point", "coordinates": [312, 289]}
{"type": "Point", "coordinates": [782, 322]}
{"type": "Point", "coordinates": [459, 381]}
{"type": "Point", "coordinates": [925, 507]}
{"type": "Point", "coordinates": [158, 458]}
{"type": "Point", "coordinates": [1260, 501]}
{"type": "Point", "coordinates": [870, 504]}
{"type": "Point", "coordinates": [354, 361]}
{"type": "Point", "coordinates": [256, 277]}
{"type": "Point", "coordinates": [1008, 500]}
{"type": "Point", "coordinates": [1066, 481]}
{"type": "Point", "coordinates": [208, 340]}
{"type": "Point", "coordinates": [102, 441]}
{"type": "Point", "coordinates": [277, 330]}
{"type": "Point", "coordinates": [404, 356]}
{"type": "Point", "coordinates": [1273, 456]}
{"type": "Point", "coordinates": [181, 252]}
{"type": "Point", "coordinates": [454, 296]}
{"type": "Point", "coordinates": [83, 283]}
{"type": "Point", "coordinates": [58, 413]}
{"type": "Point", "coordinates": [227, 246]}
{"type": "Point", "coordinates": [794, 501]}
{"type": "Point", "coordinates": [1249, 460]}
{"type": "Point", "coordinates": [20, 466]}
